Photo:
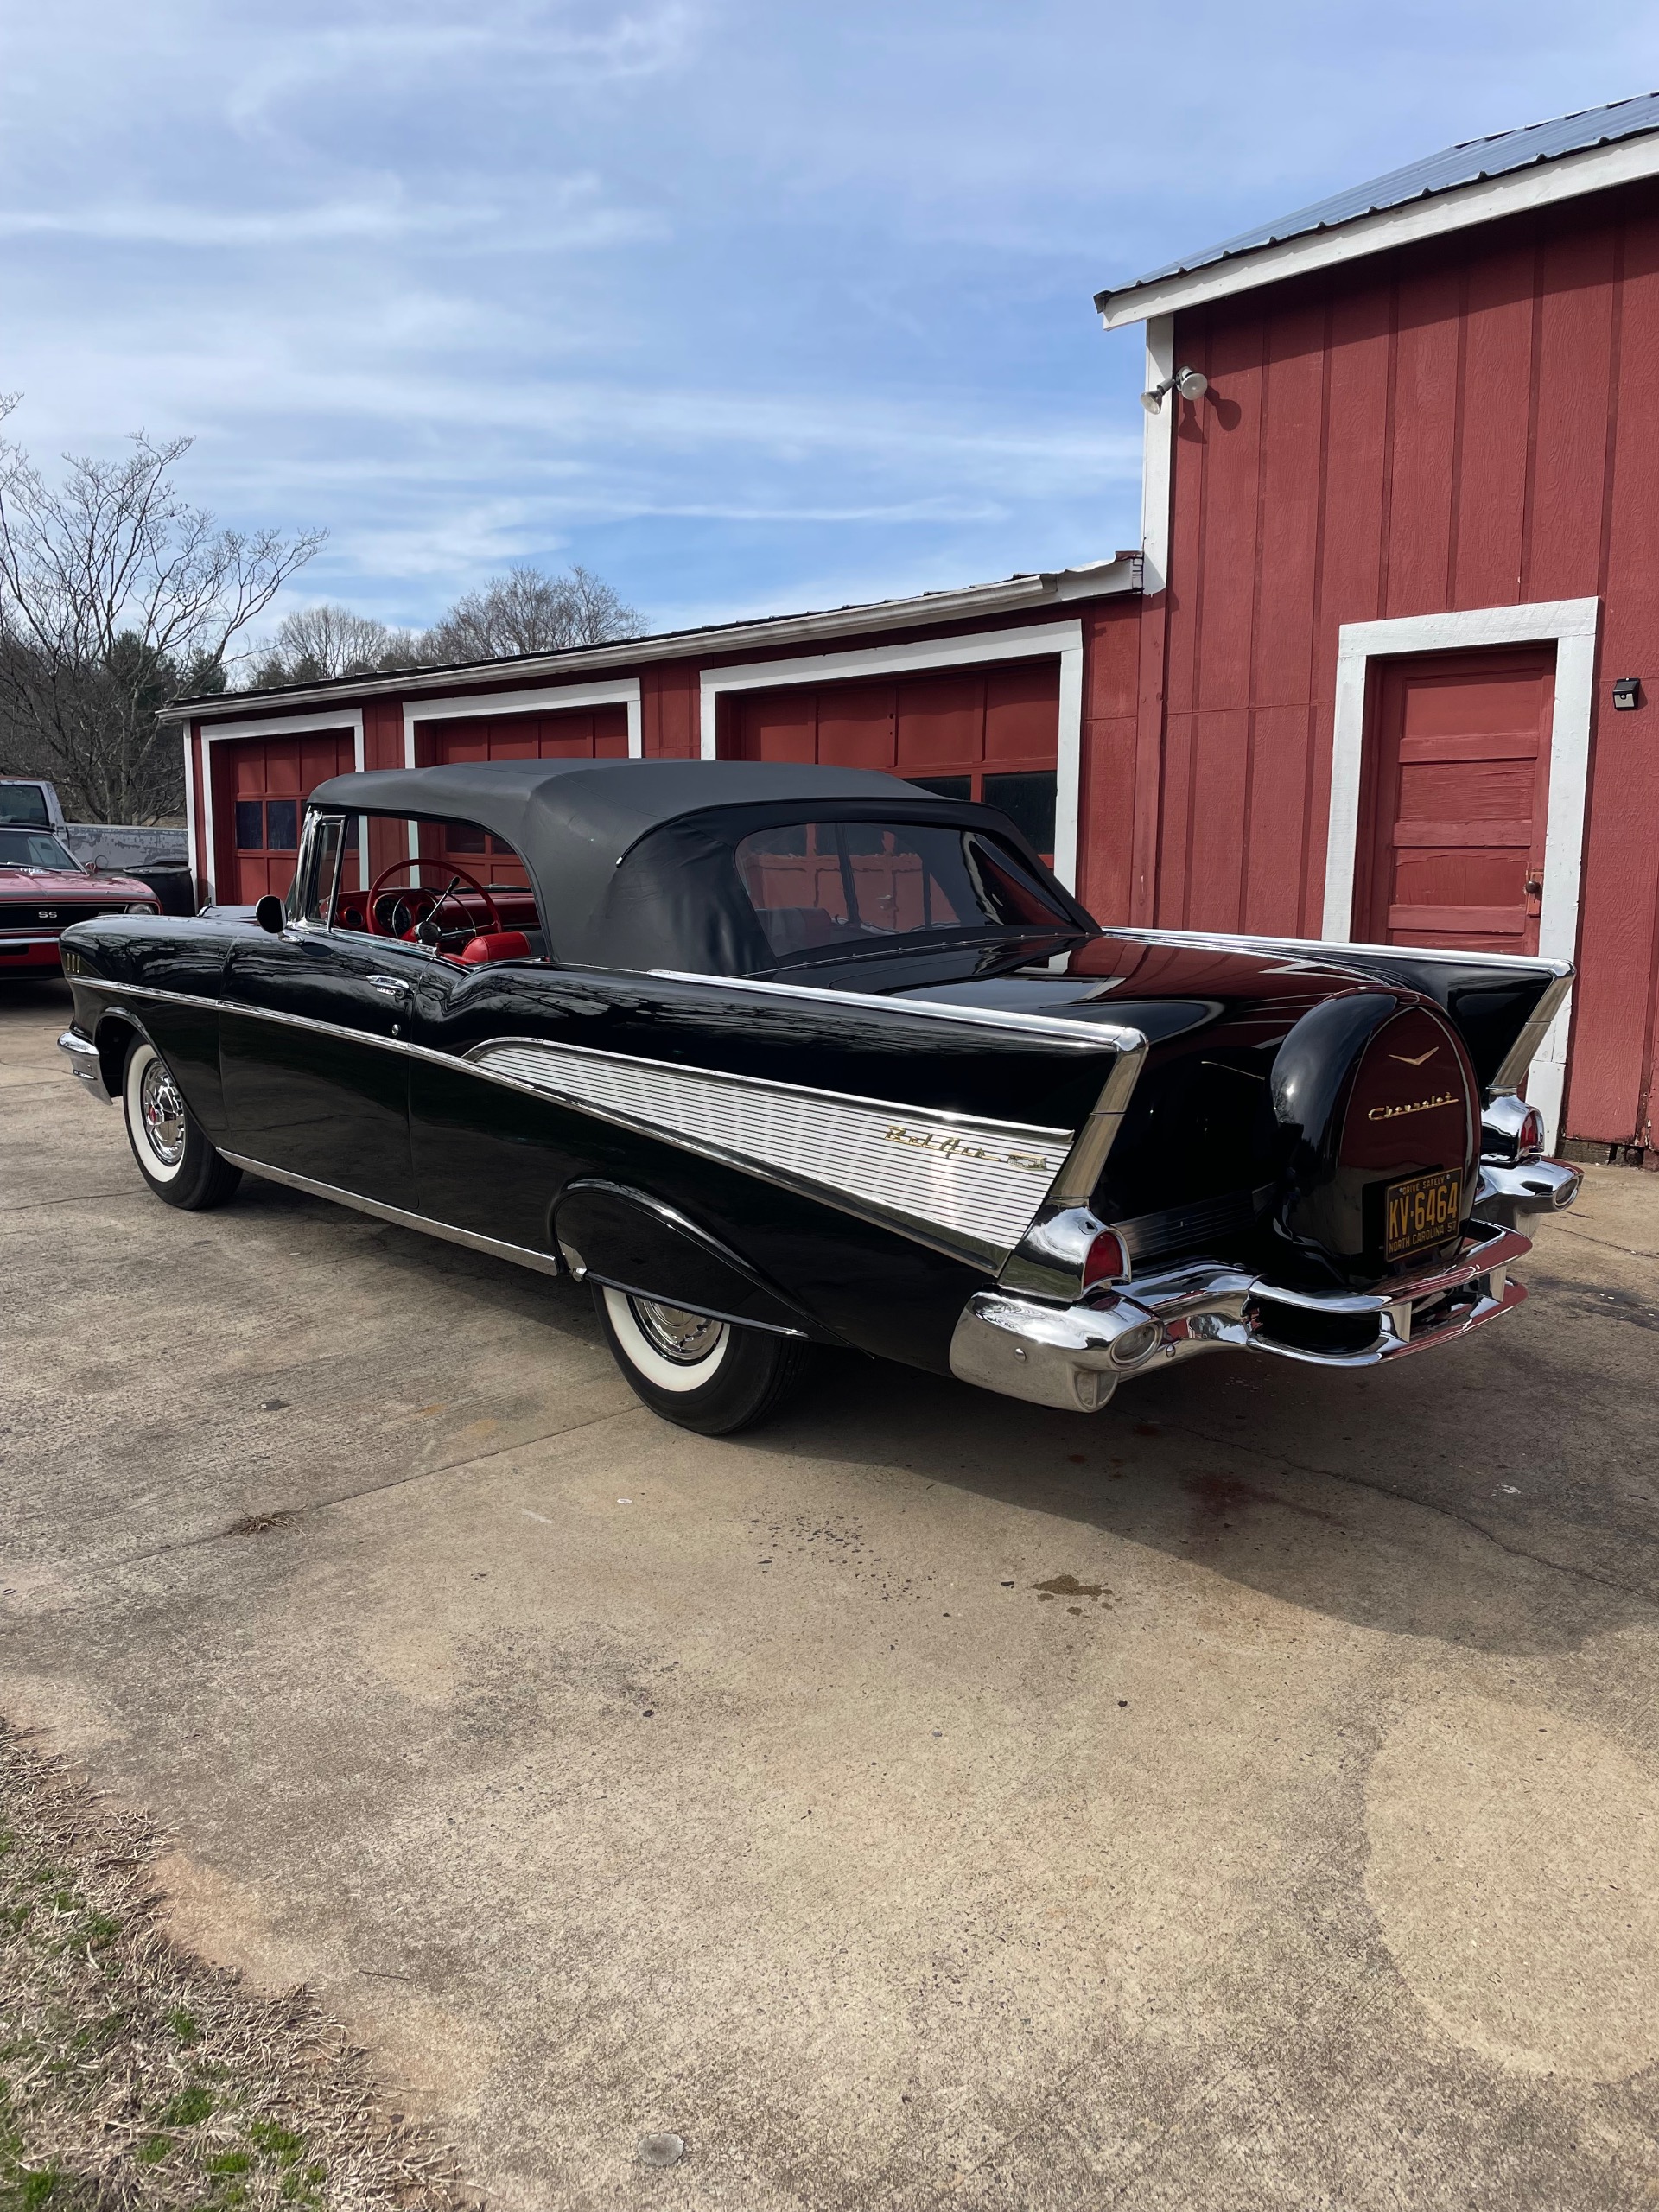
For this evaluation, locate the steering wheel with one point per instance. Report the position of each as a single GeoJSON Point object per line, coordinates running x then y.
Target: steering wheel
{"type": "Point", "coordinates": [456, 875]}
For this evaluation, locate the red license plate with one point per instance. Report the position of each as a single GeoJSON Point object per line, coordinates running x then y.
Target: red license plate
{"type": "Point", "coordinates": [1420, 1213]}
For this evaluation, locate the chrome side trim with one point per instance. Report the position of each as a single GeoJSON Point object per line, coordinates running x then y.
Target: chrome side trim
{"type": "Point", "coordinates": [1513, 1071]}
{"type": "Point", "coordinates": [1050, 1257]}
{"type": "Point", "coordinates": [586, 1273]}
{"type": "Point", "coordinates": [966, 1126]}
{"type": "Point", "coordinates": [1329, 950]}
{"type": "Point", "coordinates": [8, 940]}
{"type": "Point", "coordinates": [977, 1182]}
{"type": "Point", "coordinates": [1081, 1034]}
{"type": "Point", "coordinates": [1074, 1186]}
{"type": "Point", "coordinates": [546, 1263]}
{"type": "Point", "coordinates": [86, 1063]}
{"type": "Point", "coordinates": [957, 1242]}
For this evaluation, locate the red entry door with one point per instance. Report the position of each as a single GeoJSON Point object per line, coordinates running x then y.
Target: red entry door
{"type": "Point", "coordinates": [260, 787]}
{"type": "Point", "coordinates": [1452, 846]}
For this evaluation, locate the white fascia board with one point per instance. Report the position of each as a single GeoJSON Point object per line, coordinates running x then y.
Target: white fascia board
{"type": "Point", "coordinates": [1100, 580]}
{"type": "Point", "coordinates": [1567, 177]}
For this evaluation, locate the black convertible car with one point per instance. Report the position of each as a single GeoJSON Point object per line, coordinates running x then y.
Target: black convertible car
{"type": "Point", "coordinates": [775, 1056]}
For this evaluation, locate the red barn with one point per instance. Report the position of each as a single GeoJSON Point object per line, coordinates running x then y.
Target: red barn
{"type": "Point", "coordinates": [1399, 554]}
{"type": "Point", "coordinates": [1378, 671]}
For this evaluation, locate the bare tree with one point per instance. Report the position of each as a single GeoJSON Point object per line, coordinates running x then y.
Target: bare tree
{"type": "Point", "coordinates": [315, 643]}
{"type": "Point", "coordinates": [527, 611]}
{"type": "Point", "coordinates": [115, 594]}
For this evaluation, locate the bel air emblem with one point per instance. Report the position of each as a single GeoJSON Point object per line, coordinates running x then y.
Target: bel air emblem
{"type": "Point", "coordinates": [960, 1148]}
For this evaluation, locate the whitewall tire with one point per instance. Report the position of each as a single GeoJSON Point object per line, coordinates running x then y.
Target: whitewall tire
{"type": "Point", "coordinates": [715, 1376]}
{"type": "Point", "coordinates": [174, 1155]}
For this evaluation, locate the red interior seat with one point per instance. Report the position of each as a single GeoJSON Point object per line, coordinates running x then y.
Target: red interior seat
{"type": "Point", "coordinates": [495, 944]}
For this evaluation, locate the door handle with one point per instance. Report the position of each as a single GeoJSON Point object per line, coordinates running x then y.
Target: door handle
{"type": "Point", "coordinates": [390, 987]}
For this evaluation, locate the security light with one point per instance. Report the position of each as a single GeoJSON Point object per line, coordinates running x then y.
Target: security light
{"type": "Point", "coordinates": [1192, 384]}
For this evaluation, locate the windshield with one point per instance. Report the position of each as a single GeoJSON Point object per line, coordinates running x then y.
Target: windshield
{"type": "Point", "coordinates": [819, 888]}
{"type": "Point", "coordinates": [24, 803]}
{"type": "Point", "coordinates": [33, 848]}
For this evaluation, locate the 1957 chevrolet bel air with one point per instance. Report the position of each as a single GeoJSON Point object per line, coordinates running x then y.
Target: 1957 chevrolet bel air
{"type": "Point", "coordinates": [779, 1056]}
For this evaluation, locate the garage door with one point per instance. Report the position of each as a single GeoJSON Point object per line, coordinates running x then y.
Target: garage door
{"type": "Point", "coordinates": [590, 733]}
{"type": "Point", "coordinates": [260, 787]}
{"type": "Point", "coordinates": [993, 734]}
{"type": "Point", "coordinates": [1454, 850]}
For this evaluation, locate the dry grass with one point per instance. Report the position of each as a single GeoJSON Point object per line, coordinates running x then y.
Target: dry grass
{"type": "Point", "coordinates": [134, 2076]}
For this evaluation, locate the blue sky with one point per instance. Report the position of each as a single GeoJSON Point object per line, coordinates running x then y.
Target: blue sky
{"type": "Point", "coordinates": [746, 307]}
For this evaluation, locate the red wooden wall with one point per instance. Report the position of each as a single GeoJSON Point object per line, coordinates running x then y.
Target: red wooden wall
{"type": "Point", "coordinates": [1470, 423]}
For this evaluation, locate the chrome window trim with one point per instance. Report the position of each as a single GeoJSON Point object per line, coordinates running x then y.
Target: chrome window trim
{"type": "Point", "coordinates": [547, 1263]}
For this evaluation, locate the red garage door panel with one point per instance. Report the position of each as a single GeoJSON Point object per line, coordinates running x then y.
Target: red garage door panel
{"type": "Point", "coordinates": [260, 787]}
{"type": "Point", "coordinates": [591, 734]}
{"type": "Point", "coordinates": [990, 734]}
{"type": "Point", "coordinates": [1451, 850]}
{"type": "Point", "coordinates": [586, 733]}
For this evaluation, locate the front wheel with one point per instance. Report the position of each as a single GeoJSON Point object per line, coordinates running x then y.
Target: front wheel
{"type": "Point", "coordinates": [173, 1156]}
{"type": "Point", "coordinates": [710, 1376]}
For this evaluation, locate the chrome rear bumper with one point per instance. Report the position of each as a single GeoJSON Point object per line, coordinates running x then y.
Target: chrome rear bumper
{"type": "Point", "coordinates": [1074, 1356]}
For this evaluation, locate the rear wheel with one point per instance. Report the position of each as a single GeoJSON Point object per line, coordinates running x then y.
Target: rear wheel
{"type": "Point", "coordinates": [710, 1376]}
{"type": "Point", "coordinates": [173, 1156]}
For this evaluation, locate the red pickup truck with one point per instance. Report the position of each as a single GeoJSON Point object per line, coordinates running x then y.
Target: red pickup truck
{"type": "Point", "coordinates": [43, 888]}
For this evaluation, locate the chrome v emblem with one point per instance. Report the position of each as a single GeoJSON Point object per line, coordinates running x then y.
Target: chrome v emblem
{"type": "Point", "coordinates": [1406, 1061]}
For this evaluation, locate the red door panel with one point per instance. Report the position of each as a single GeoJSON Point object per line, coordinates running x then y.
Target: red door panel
{"type": "Point", "coordinates": [1452, 840]}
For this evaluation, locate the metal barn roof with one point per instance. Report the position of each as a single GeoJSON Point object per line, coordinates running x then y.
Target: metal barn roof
{"type": "Point", "coordinates": [1472, 161]}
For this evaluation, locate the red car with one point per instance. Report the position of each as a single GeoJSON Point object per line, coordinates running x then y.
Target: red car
{"type": "Point", "coordinates": [43, 888]}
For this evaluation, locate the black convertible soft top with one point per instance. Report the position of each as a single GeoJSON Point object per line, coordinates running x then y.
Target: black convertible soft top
{"type": "Point", "coordinates": [632, 860]}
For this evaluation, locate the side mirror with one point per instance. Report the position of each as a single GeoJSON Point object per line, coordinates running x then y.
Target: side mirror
{"type": "Point", "coordinates": [427, 931]}
{"type": "Point", "coordinates": [271, 915]}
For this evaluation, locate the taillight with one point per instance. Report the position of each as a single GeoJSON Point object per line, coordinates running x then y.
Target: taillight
{"type": "Point", "coordinates": [1108, 1261]}
{"type": "Point", "coordinates": [1529, 1137]}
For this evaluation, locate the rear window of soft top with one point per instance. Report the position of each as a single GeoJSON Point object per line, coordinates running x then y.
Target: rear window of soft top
{"type": "Point", "coordinates": [822, 886]}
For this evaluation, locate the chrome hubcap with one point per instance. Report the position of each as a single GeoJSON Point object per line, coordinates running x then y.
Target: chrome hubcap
{"type": "Point", "coordinates": [162, 1110]}
{"type": "Point", "coordinates": [684, 1338]}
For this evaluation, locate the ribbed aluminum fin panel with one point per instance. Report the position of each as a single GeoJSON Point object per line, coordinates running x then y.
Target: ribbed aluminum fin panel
{"type": "Point", "coordinates": [982, 1180]}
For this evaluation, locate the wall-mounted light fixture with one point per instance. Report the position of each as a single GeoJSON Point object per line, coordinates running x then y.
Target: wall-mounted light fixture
{"type": "Point", "coordinates": [1627, 692]}
{"type": "Point", "coordinates": [1192, 384]}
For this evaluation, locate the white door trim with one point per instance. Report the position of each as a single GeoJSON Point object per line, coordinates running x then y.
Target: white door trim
{"type": "Point", "coordinates": [1064, 638]}
{"type": "Point", "coordinates": [1158, 454]}
{"type": "Point", "coordinates": [620, 692]}
{"type": "Point", "coordinates": [1571, 625]}
{"type": "Point", "coordinates": [349, 718]}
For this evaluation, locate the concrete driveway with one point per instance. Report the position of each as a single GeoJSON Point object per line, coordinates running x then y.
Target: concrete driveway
{"type": "Point", "coordinates": [1245, 1798]}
